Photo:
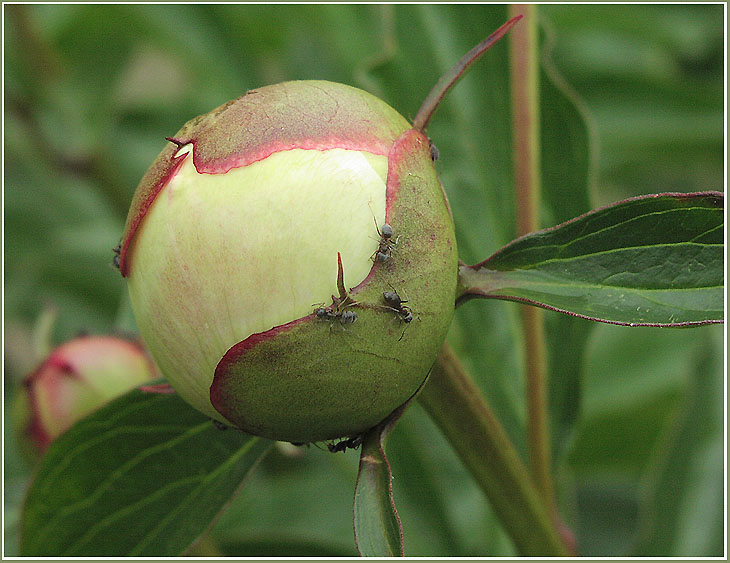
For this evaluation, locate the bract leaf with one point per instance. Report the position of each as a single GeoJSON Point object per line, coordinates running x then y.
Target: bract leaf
{"type": "Point", "coordinates": [378, 530]}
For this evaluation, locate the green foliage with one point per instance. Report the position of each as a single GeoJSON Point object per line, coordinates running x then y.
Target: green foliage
{"type": "Point", "coordinates": [655, 260]}
{"type": "Point", "coordinates": [649, 76]}
{"type": "Point", "coordinates": [378, 530]}
{"type": "Point", "coordinates": [142, 476]}
{"type": "Point", "coordinates": [91, 92]}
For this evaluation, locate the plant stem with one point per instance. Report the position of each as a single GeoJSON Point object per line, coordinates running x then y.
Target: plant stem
{"type": "Point", "coordinates": [454, 74]}
{"type": "Point", "coordinates": [524, 77]}
{"type": "Point", "coordinates": [524, 80]}
{"type": "Point", "coordinates": [458, 407]}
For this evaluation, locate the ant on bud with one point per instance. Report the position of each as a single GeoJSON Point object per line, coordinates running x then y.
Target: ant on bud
{"type": "Point", "coordinates": [332, 314]}
{"type": "Point", "coordinates": [350, 443]}
{"type": "Point", "coordinates": [396, 303]}
{"type": "Point", "coordinates": [117, 252]}
{"type": "Point", "coordinates": [219, 425]}
{"type": "Point", "coordinates": [337, 311]}
{"type": "Point", "coordinates": [348, 317]}
{"type": "Point", "coordinates": [434, 151]}
{"type": "Point", "coordinates": [385, 244]}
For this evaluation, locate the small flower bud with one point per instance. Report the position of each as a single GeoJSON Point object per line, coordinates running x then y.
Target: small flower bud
{"type": "Point", "coordinates": [77, 378]}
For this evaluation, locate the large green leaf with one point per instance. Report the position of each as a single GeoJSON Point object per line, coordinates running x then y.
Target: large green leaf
{"type": "Point", "coordinates": [648, 261]}
{"type": "Point", "coordinates": [144, 476]}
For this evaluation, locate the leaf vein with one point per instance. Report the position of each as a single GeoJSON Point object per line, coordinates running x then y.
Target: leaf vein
{"type": "Point", "coordinates": [61, 514]}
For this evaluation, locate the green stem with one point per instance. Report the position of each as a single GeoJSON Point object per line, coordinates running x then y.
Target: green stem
{"type": "Point", "coordinates": [524, 75]}
{"type": "Point", "coordinates": [458, 407]}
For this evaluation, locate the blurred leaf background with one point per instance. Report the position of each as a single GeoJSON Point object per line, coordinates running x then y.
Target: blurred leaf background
{"type": "Point", "coordinates": [91, 92]}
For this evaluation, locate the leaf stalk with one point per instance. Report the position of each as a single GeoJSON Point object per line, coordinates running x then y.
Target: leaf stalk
{"type": "Point", "coordinates": [458, 407]}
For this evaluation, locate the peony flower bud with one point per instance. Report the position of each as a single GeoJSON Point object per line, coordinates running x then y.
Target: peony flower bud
{"type": "Point", "coordinates": [77, 378]}
{"type": "Point", "coordinates": [236, 239]}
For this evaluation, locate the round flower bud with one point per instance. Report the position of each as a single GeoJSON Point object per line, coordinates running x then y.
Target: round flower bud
{"type": "Point", "coordinates": [77, 378]}
{"type": "Point", "coordinates": [260, 246]}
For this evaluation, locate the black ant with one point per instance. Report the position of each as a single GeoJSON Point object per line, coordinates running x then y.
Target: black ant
{"type": "Point", "coordinates": [219, 425]}
{"type": "Point", "coordinates": [350, 443]}
{"type": "Point", "coordinates": [332, 314]}
{"type": "Point", "coordinates": [396, 303]}
{"type": "Point", "coordinates": [339, 304]}
{"type": "Point", "coordinates": [385, 244]}
{"type": "Point", "coordinates": [117, 252]}
{"type": "Point", "coordinates": [434, 151]}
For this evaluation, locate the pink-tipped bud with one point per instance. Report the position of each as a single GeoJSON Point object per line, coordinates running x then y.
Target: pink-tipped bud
{"type": "Point", "coordinates": [259, 245]}
{"type": "Point", "coordinates": [77, 378]}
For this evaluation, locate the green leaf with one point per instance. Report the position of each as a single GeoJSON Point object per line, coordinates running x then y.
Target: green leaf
{"type": "Point", "coordinates": [144, 476]}
{"type": "Point", "coordinates": [684, 500]}
{"type": "Point", "coordinates": [657, 104]}
{"type": "Point", "coordinates": [378, 530]}
{"type": "Point", "coordinates": [638, 456]}
{"type": "Point", "coordinates": [655, 260]}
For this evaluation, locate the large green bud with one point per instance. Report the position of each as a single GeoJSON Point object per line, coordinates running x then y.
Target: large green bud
{"type": "Point", "coordinates": [236, 238]}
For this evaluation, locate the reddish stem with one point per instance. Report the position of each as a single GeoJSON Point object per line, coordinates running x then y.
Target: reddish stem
{"type": "Point", "coordinates": [452, 76]}
{"type": "Point", "coordinates": [524, 78]}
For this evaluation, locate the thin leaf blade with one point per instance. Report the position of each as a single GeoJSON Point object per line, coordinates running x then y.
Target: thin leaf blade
{"type": "Point", "coordinates": [654, 260]}
{"type": "Point", "coordinates": [378, 529]}
{"type": "Point", "coordinates": [144, 476]}
{"type": "Point", "coordinates": [677, 520]}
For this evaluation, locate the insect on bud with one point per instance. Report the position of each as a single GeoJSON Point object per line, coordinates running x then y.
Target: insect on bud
{"type": "Point", "coordinates": [77, 378]}
{"type": "Point", "coordinates": [257, 250]}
